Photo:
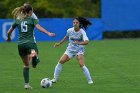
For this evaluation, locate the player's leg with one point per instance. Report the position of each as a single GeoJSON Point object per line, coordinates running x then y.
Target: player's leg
{"type": "Point", "coordinates": [25, 60]}
{"type": "Point", "coordinates": [86, 72]}
{"type": "Point", "coordinates": [34, 58]}
{"type": "Point", "coordinates": [58, 67]}
{"type": "Point", "coordinates": [33, 51]}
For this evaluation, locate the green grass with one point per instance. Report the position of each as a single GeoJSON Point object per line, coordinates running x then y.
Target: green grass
{"type": "Point", "coordinates": [114, 66]}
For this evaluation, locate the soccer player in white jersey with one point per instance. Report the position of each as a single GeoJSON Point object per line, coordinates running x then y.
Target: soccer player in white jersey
{"type": "Point", "coordinates": [77, 41]}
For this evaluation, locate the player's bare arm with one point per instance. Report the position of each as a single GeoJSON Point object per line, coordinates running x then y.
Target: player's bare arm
{"type": "Point", "coordinates": [9, 34]}
{"type": "Point", "coordinates": [44, 31]}
{"type": "Point", "coordinates": [82, 43]}
{"type": "Point", "coordinates": [63, 40]}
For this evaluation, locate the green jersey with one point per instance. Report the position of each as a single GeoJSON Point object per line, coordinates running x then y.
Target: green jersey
{"type": "Point", "coordinates": [26, 30]}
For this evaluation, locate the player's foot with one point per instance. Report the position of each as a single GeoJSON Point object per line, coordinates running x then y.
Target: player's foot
{"type": "Point", "coordinates": [90, 82]}
{"type": "Point", "coordinates": [27, 86]}
{"type": "Point", "coordinates": [35, 61]}
{"type": "Point", "coordinates": [53, 80]}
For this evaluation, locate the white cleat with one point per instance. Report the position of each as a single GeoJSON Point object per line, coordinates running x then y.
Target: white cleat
{"type": "Point", "coordinates": [27, 86]}
{"type": "Point", "coordinates": [53, 80]}
{"type": "Point", "coordinates": [90, 82]}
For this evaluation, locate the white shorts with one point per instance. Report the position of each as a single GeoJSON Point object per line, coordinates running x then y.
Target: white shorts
{"type": "Point", "coordinates": [72, 54]}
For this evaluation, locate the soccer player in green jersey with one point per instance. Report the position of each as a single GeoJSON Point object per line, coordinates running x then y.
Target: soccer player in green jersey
{"type": "Point", "coordinates": [16, 9]}
{"type": "Point", "coordinates": [27, 47]}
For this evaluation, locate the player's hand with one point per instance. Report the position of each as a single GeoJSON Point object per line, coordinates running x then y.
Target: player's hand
{"type": "Point", "coordinates": [51, 34]}
{"type": "Point", "coordinates": [76, 42]}
{"type": "Point", "coordinates": [8, 40]}
{"type": "Point", "coordinates": [56, 45]}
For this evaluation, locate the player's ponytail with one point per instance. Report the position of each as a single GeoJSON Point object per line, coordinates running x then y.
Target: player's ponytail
{"type": "Point", "coordinates": [15, 12]}
{"type": "Point", "coordinates": [19, 13]}
{"type": "Point", "coordinates": [84, 23]}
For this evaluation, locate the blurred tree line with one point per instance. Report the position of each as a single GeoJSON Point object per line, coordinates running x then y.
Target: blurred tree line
{"type": "Point", "coordinates": [54, 8]}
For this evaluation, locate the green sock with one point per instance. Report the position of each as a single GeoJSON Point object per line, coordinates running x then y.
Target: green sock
{"type": "Point", "coordinates": [26, 74]}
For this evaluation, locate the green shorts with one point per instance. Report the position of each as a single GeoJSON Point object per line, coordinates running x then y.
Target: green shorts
{"type": "Point", "coordinates": [25, 49]}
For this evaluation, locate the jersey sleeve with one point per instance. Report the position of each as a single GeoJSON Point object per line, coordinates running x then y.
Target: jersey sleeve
{"type": "Point", "coordinates": [84, 36]}
{"type": "Point", "coordinates": [68, 31]}
{"type": "Point", "coordinates": [14, 25]}
{"type": "Point", "coordinates": [35, 22]}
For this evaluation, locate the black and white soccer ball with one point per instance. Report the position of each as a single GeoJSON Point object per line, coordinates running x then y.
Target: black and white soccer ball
{"type": "Point", "coordinates": [46, 83]}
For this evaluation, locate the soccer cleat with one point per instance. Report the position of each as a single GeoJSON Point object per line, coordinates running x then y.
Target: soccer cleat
{"type": "Point", "coordinates": [27, 86]}
{"type": "Point", "coordinates": [53, 80]}
{"type": "Point", "coordinates": [90, 82]}
{"type": "Point", "coordinates": [35, 61]}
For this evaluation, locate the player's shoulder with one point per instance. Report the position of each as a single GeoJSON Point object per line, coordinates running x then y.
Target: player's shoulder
{"type": "Point", "coordinates": [17, 21]}
{"type": "Point", "coordinates": [29, 17]}
{"type": "Point", "coordinates": [70, 29]}
{"type": "Point", "coordinates": [82, 30]}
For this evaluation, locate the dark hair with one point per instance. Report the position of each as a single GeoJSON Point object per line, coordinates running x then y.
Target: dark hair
{"type": "Point", "coordinates": [28, 8]}
{"type": "Point", "coordinates": [84, 23]}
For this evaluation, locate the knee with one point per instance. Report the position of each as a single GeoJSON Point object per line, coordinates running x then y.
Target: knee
{"type": "Point", "coordinates": [62, 61]}
{"type": "Point", "coordinates": [33, 53]}
{"type": "Point", "coordinates": [81, 65]}
{"type": "Point", "coordinates": [26, 65]}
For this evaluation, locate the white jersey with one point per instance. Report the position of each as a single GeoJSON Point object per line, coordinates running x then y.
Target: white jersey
{"type": "Point", "coordinates": [76, 36]}
{"type": "Point", "coordinates": [34, 16]}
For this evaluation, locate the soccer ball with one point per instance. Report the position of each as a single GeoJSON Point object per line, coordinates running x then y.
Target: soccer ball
{"type": "Point", "coordinates": [46, 83]}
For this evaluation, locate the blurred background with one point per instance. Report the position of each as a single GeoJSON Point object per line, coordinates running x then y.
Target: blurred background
{"type": "Point", "coordinates": [54, 8]}
{"type": "Point", "coordinates": [110, 18]}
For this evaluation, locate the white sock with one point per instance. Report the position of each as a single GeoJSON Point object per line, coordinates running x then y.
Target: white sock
{"type": "Point", "coordinates": [86, 72]}
{"type": "Point", "coordinates": [58, 68]}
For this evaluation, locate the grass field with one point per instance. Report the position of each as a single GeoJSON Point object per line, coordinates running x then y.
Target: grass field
{"type": "Point", "coordinates": [114, 65]}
